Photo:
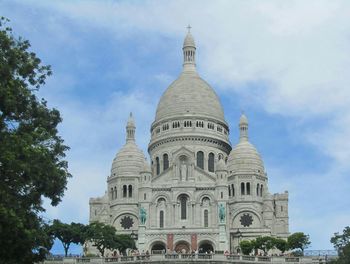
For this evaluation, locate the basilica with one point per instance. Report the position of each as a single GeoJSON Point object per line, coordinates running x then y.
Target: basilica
{"type": "Point", "coordinates": [198, 192]}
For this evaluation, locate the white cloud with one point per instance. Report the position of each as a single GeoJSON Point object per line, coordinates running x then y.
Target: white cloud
{"type": "Point", "coordinates": [298, 50]}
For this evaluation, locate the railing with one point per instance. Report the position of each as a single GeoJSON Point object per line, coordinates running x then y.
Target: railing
{"type": "Point", "coordinates": [264, 259]}
{"type": "Point", "coordinates": [217, 258]}
{"type": "Point", "coordinates": [291, 260]}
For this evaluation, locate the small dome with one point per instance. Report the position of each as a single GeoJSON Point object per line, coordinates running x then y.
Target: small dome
{"type": "Point", "coordinates": [221, 166]}
{"type": "Point", "coordinates": [244, 158]}
{"type": "Point", "coordinates": [129, 161]}
{"type": "Point", "coordinates": [189, 41]}
{"type": "Point", "coordinates": [190, 95]}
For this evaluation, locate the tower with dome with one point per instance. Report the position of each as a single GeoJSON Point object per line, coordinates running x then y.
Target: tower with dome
{"type": "Point", "coordinates": [198, 192]}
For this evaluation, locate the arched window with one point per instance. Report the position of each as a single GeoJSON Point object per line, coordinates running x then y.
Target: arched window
{"type": "Point", "coordinates": [211, 162]}
{"type": "Point", "coordinates": [248, 188]}
{"type": "Point", "coordinates": [233, 189]}
{"type": "Point", "coordinates": [261, 190]}
{"type": "Point", "coordinates": [125, 190]}
{"type": "Point", "coordinates": [257, 189]}
{"type": "Point", "coordinates": [242, 189]}
{"type": "Point", "coordinates": [183, 204]}
{"type": "Point", "coordinates": [144, 196]}
{"type": "Point", "coordinates": [206, 220]}
{"type": "Point", "coordinates": [222, 195]}
{"type": "Point", "coordinates": [115, 193]}
{"type": "Point", "coordinates": [130, 190]}
{"type": "Point", "coordinates": [200, 159]}
{"type": "Point", "coordinates": [229, 191]}
{"type": "Point", "coordinates": [112, 194]}
{"type": "Point", "coordinates": [165, 162]}
{"type": "Point", "coordinates": [157, 166]}
{"type": "Point", "coordinates": [161, 219]}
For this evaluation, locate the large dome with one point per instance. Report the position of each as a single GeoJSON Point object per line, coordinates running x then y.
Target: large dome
{"type": "Point", "coordinates": [189, 95]}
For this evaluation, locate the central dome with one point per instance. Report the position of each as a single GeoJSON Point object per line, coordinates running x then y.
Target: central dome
{"type": "Point", "coordinates": [189, 95]}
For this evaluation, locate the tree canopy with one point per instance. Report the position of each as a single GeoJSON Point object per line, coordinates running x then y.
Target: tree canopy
{"type": "Point", "coordinates": [104, 237]}
{"type": "Point", "coordinates": [341, 243]}
{"type": "Point", "coordinates": [68, 233]}
{"type": "Point", "coordinates": [32, 164]}
{"type": "Point", "coordinates": [298, 240]}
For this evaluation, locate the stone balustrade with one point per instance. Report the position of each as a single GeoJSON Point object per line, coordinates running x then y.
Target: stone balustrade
{"type": "Point", "coordinates": [193, 258]}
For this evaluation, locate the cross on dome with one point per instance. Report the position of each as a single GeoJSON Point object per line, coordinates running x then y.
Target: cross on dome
{"type": "Point", "coordinates": [130, 128]}
{"type": "Point", "coordinates": [189, 52]}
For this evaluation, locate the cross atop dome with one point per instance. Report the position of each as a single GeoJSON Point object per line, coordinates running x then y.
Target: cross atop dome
{"type": "Point", "coordinates": [189, 52]}
{"type": "Point", "coordinates": [243, 127]}
{"type": "Point", "coordinates": [130, 128]}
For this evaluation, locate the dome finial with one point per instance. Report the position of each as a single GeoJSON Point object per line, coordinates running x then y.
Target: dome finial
{"type": "Point", "coordinates": [130, 128]}
{"type": "Point", "coordinates": [189, 51]}
{"type": "Point", "coordinates": [243, 127]}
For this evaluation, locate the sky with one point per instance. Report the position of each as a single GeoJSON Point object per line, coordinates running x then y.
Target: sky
{"type": "Point", "coordinates": [285, 63]}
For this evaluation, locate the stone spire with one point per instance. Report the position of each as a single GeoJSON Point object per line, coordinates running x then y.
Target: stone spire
{"type": "Point", "coordinates": [243, 128]}
{"type": "Point", "coordinates": [189, 51]}
{"type": "Point", "coordinates": [130, 129]}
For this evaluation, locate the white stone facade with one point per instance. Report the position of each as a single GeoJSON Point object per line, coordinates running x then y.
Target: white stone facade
{"type": "Point", "coordinates": [198, 192]}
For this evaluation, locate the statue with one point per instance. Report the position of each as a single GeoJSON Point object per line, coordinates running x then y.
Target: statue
{"type": "Point", "coordinates": [143, 215]}
{"type": "Point", "coordinates": [183, 171]}
{"type": "Point", "coordinates": [222, 213]}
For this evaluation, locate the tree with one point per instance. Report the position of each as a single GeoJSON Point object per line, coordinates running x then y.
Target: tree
{"type": "Point", "coordinates": [298, 240]}
{"type": "Point", "coordinates": [246, 246]}
{"type": "Point", "coordinates": [281, 244]}
{"type": "Point", "coordinates": [104, 237]}
{"type": "Point", "coordinates": [32, 164]}
{"type": "Point", "coordinates": [68, 234]}
{"type": "Point", "coordinates": [340, 241]}
{"type": "Point", "coordinates": [264, 243]}
{"type": "Point", "coordinates": [342, 245]}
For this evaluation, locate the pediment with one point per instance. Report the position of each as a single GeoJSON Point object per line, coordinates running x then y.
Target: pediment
{"type": "Point", "coordinates": [164, 176]}
{"type": "Point", "coordinates": [203, 176]}
{"type": "Point", "coordinates": [183, 151]}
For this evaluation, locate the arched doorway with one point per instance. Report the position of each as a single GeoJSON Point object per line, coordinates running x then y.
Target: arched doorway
{"type": "Point", "coordinates": [158, 247]}
{"type": "Point", "coordinates": [182, 247]}
{"type": "Point", "coordinates": [205, 246]}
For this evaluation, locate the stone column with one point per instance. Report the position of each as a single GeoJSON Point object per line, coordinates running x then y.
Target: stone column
{"type": "Point", "coordinates": [194, 242]}
{"type": "Point", "coordinates": [223, 241]}
{"type": "Point", "coordinates": [141, 242]}
{"type": "Point", "coordinates": [170, 242]}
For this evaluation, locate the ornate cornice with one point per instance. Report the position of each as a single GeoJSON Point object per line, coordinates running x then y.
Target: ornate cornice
{"type": "Point", "coordinates": [218, 143]}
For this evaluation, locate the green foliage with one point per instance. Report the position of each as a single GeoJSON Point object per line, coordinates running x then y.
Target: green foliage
{"type": "Point", "coordinates": [104, 237]}
{"type": "Point", "coordinates": [264, 243]}
{"type": "Point", "coordinates": [341, 243]}
{"type": "Point", "coordinates": [31, 152]}
{"type": "Point", "coordinates": [298, 240]}
{"type": "Point", "coordinates": [280, 244]}
{"type": "Point", "coordinates": [67, 234]}
{"type": "Point", "coordinates": [246, 246]}
{"type": "Point", "coordinates": [341, 240]}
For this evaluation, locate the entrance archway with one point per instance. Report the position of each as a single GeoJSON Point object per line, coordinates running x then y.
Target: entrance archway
{"type": "Point", "coordinates": [158, 247]}
{"type": "Point", "coordinates": [182, 247]}
{"type": "Point", "coordinates": [205, 246]}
